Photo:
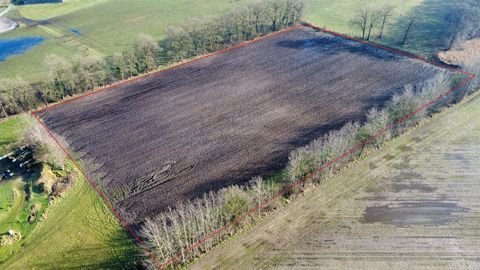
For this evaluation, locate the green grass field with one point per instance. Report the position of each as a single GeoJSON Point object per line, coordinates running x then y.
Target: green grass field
{"type": "Point", "coordinates": [48, 11]}
{"type": "Point", "coordinates": [336, 15]}
{"type": "Point", "coordinates": [78, 231]}
{"type": "Point", "coordinates": [108, 26]}
{"type": "Point", "coordinates": [11, 132]}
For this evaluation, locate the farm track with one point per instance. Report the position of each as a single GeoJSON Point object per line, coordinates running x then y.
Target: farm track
{"type": "Point", "coordinates": [221, 120]}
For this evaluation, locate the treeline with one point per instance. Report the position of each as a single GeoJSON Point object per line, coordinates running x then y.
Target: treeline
{"type": "Point", "coordinates": [177, 230]}
{"type": "Point", "coordinates": [464, 22]}
{"type": "Point", "coordinates": [461, 22]}
{"type": "Point", "coordinates": [247, 23]}
{"type": "Point", "coordinates": [65, 77]}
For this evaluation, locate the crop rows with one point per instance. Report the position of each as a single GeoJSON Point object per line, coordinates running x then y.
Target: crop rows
{"type": "Point", "coordinates": [224, 119]}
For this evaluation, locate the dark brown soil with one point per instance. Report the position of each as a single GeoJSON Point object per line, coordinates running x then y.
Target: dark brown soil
{"type": "Point", "coordinates": [219, 121]}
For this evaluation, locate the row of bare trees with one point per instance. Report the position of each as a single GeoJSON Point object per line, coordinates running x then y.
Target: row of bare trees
{"type": "Point", "coordinates": [246, 23]}
{"type": "Point", "coordinates": [177, 230]}
{"type": "Point", "coordinates": [174, 231]}
{"type": "Point", "coordinates": [371, 19]}
{"type": "Point", "coordinates": [463, 21]}
{"type": "Point", "coordinates": [67, 77]}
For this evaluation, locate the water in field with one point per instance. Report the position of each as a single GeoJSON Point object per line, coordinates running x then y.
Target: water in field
{"type": "Point", "coordinates": [15, 46]}
{"type": "Point", "coordinates": [75, 31]}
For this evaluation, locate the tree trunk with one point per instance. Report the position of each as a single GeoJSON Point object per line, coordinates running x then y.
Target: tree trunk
{"type": "Point", "coordinates": [382, 27]}
{"type": "Point", "coordinates": [3, 110]}
{"type": "Point", "coordinates": [452, 40]}
{"type": "Point", "coordinates": [407, 31]}
{"type": "Point", "coordinates": [369, 30]}
{"type": "Point", "coordinates": [364, 28]}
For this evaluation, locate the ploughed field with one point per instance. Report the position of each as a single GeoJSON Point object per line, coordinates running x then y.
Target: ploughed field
{"type": "Point", "coordinates": [221, 120]}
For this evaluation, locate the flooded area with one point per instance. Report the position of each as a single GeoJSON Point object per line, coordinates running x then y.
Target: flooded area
{"type": "Point", "coordinates": [17, 46]}
{"type": "Point", "coordinates": [414, 213]}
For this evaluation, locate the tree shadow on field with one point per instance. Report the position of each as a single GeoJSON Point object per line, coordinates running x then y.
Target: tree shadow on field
{"type": "Point", "coordinates": [430, 32]}
{"type": "Point", "coordinates": [276, 163]}
{"type": "Point", "coordinates": [277, 160]}
{"type": "Point", "coordinates": [329, 45]}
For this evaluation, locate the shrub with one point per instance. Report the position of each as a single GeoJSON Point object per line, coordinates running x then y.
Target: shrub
{"type": "Point", "coordinates": [236, 201]}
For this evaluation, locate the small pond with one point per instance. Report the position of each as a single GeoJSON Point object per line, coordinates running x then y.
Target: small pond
{"type": "Point", "coordinates": [15, 46]}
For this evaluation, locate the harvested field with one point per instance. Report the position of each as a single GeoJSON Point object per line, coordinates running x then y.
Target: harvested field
{"type": "Point", "coordinates": [223, 119]}
{"type": "Point", "coordinates": [414, 204]}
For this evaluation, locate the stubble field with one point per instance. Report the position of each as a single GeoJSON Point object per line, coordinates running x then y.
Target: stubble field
{"type": "Point", "coordinates": [223, 119]}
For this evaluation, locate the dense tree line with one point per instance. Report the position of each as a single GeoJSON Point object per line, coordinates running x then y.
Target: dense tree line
{"type": "Point", "coordinates": [176, 230]}
{"type": "Point", "coordinates": [16, 95]}
{"type": "Point", "coordinates": [67, 77]}
{"type": "Point", "coordinates": [464, 22]}
{"type": "Point", "coordinates": [201, 37]}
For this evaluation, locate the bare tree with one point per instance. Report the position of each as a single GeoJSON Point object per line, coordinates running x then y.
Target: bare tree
{"type": "Point", "coordinates": [257, 13]}
{"type": "Point", "coordinates": [4, 112]}
{"type": "Point", "coordinates": [464, 21]}
{"type": "Point", "coordinates": [361, 20]}
{"type": "Point", "coordinates": [411, 21]}
{"type": "Point", "coordinates": [384, 14]}
{"type": "Point", "coordinates": [366, 19]}
{"type": "Point", "coordinates": [373, 20]}
{"type": "Point", "coordinates": [274, 13]}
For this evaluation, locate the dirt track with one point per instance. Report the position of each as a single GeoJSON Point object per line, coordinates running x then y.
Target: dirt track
{"type": "Point", "coordinates": [221, 120]}
{"type": "Point", "coordinates": [7, 25]}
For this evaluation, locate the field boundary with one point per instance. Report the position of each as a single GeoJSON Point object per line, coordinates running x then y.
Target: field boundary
{"type": "Point", "coordinates": [148, 251]}
{"type": "Point", "coordinates": [114, 86]}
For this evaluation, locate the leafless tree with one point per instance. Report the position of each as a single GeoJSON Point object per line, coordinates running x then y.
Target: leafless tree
{"type": "Point", "coordinates": [366, 19]}
{"type": "Point", "coordinates": [4, 112]}
{"type": "Point", "coordinates": [385, 13]}
{"type": "Point", "coordinates": [361, 20]}
{"type": "Point", "coordinates": [274, 13]}
{"type": "Point", "coordinates": [464, 21]}
{"type": "Point", "coordinates": [410, 23]}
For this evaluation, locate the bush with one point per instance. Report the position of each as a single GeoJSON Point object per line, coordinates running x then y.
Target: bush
{"type": "Point", "coordinates": [16, 95]}
{"type": "Point", "coordinates": [236, 201]}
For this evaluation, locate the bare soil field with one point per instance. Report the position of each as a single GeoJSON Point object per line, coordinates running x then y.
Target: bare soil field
{"type": "Point", "coordinates": [414, 204]}
{"type": "Point", "coordinates": [223, 119]}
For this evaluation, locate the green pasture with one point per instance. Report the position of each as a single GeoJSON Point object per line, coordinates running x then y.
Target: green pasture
{"type": "Point", "coordinates": [107, 26]}
{"type": "Point", "coordinates": [76, 232]}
